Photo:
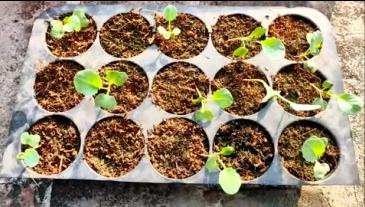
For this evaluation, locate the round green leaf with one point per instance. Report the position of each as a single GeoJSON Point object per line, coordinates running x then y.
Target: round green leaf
{"type": "Point", "coordinates": [327, 85]}
{"type": "Point", "coordinates": [320, 170]}
{"type": "Point", "coordinates": [116, 77]}
{"type": "Point", "coordinates": [170, 12]}
{"type": "Point", "coordinates": [226, 151]}
{"type": "Point", "coordinates": [57, 31]}
{"type": "Point", "coordinates": [229, 180]}
{"type": "Point", "coordinates": [203, 115]}
{"type": "Point", "coordinates": [80, 13]}
{"type": "Point", "coordinates": [223, 98]}
{"type": "Point", "coordinates": [321, 102]}
{"type": "Point", "coordinates": [273, 48]}
{"type": "Point", "coordinates": [349, 104]}
{"type": "Point", "coordinates": [176, 31]}
{"type": "Point", "coordinates": [212, 163]}
{"type": "Point", "coordinates": [87, 82]}
{"type": "Point", "coordinates": [105, 101]}
{"type": "Point", "coordinates": [31, 157]}
{"type": "Point", "coordinates": [239, 52]}
{"type": "Point", "coordinates": [313, 148]}
{"type": "Point", "coordinates": [31, 140]}
{"type": "Point", "coordinates": [257, 33]}
{"type": "Point", "coordinates": [72, 23]}
{"type": "Point", "coordinates": [315, 40]}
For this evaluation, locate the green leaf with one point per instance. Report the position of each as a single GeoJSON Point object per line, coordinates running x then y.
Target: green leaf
{"type": "Point", "coordinates": [304, 107]}
{"type": "Point", "coordinates": [116, 77]}
{"type": "Point", "coordinates": [165, 34]}
{"type": "Point", "coordinates": [87, 82]}
{"type": "Point", "coordinates": [212, 163]}
{"type": "Point", "coordinates": [72, 23]}
{"type": "Point", "coordinates": [226, 151]}
{"type": "Point", "coordinates": [57, 31]}
{"type": "Point", "coordinates": [176, 31]}
{"type": "Point", "coordinates": [320, 170]}
{"type": "Point", "coordinates": [349, 103]}
{"type": "Point", "coordinates": [257, 33]}
{"type": "Point", "coordinates": [170, 13]}
{"type": "Point", "coordinates": [273, 48]}
{"type": "Point", "coordinates": [313, 148]}
{"type": "Point", "coordinates": [203, 115]}
{"type": "Point", "coordinates": [229, 180]}
{"type": "Point", "coordinates": [105, 101]}
{"type": "Point", "coordinates": [315, 40]}
{"type": "Point", "coordinates": [321, 102]}
{"type": "Point", "coordinates": [80, 13]}
{"type": "Point", "coordinates": [239, 52]}
{"type": "Point", "coordinates": [30, 157]}
{"type": "Point", "coordinates": [223, 98]}
{"type": "Point", "coordinates": [327, 85]}
{"type": "Point", "coordinates": [31, 140]}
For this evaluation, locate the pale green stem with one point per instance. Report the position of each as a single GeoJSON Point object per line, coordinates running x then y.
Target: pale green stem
{"type": "Point", "coordinates": [221, 163]}
{"type": "Point", "coordinates": [169, 26]}
{"type": "Point", "coordinates": [108, 89]}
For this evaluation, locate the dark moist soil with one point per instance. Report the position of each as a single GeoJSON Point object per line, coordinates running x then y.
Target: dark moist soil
{"type": "Point", "coordinates": [247, 95]}
{"type": "Point", "coordinates": [294, 83]}
{"type": "Point", "coordinates": [234, 26]}
{"type": "Point", "coordinates": [72, 43]}
{"type": "Point", "coordinates": [174, 87]}
{"type": "Point", "coordinates": [54, 88]}
{"type": "Point", "coordinates": [114, 146]}
{"type": "Point", "coordinates": [126, 35]}
{"type": "Point", "coordinates": [254, 150]}
{"type": "Point", "coordinates": [290, 144]}
{"type": "Point", "coordinates": [189, 43]}
{"type": "Point", "coordinates": [135, 89]}
{"type": "Point", "coordinates": [177, 148]}
{"type": "Point", "coordinates": [292, 30]}
{"type": "Point", "coordinates": [59, 145]}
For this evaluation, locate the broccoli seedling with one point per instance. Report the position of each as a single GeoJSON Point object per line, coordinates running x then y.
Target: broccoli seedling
{"type": "Point", "coordinates": [169, 13]}
{"type": "Point", "coordinates": [348, 103]}
{"type": "Point", "coordinates": [312, 150]}
{"type": "Point", "coordinates": [73, 23]}
{"type": "Point", "coordinates": [272, 47]}
{"type": "Point", "coordinates": [229, 179]}
{"type": "Point", "coordinates": [88, 82]}
{"type": "Point", "coordinates": [221, 97]}
{"type": "Point", "coordinates": [30, 156]}
{"type": "Point", "coordinates": [271, 93]}
{"type": "Point", "coordinates": [314, 40]}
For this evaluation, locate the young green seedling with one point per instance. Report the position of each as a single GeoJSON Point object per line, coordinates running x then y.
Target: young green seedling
{"type": "Point", "coordinates": [73, 23]}
{"type": "Point", "coordinates": [348, 103]}
{"type": "Point", "coordinates": [272, 46]}
{"type": "Point", "coordinates": [88, 82]}
{"type": "Point", "coordinates": [312, 150]}
{"type": "Point", "coordinates": [229, 179]}
{"type": "Point", "coordinates": [271, 93]}
{"type": "Point", "coordinates": [221, 97]}
{"type": "Point", "coordinates": [30, 156]}
{"type": "Point", "coordinates": [314, 40]}
{"type": "Point", "coordinates": [169, 13]}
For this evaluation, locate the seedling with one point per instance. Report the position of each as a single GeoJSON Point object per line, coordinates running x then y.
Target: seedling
{"type": "Point", "coordinates": [169, 13]}
{"type": "Point", "coordinates": [73, 23]}
{"type": "Point", "coordinates": [314, 40]}
{"type": "Point", "coordinates": [312, 150]}
{"type": "Point", "coordinates": [88, 82]}
{"type": "Point", "coordinates": [272, 46]}
{"type": "Point", "coordinates": [229, 179]}
{"type": "Point", "coordinates": [348, 103]}
{"type": "Point", "coordinates": [221, 97]}
{"type": "Point", "coordinates": [30, 156]}
{"type": "Point", "coordinates": [271, 93]}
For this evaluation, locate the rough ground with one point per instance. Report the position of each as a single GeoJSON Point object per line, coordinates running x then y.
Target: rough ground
{"type": "Point", "coordinates": [15, 26]}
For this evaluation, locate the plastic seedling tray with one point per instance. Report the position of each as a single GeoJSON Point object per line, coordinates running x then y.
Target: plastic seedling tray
{"type": "Point", "coordinates": [272, 117]}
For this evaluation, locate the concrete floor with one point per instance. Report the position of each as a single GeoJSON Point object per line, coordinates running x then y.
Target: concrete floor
{"type": "Point", "coordinates": [16, 21]}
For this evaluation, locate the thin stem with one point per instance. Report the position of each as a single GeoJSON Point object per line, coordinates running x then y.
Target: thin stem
{"type": "Point", "coordinates": [108, 89]}
{"type": "Point", "coordinates": [221, 163]}
{"type": "Point", "coordinates": [169, 26]}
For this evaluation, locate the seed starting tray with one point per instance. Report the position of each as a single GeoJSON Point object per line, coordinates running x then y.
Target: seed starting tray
{"type": "Point", "coordinates": [272, 117]}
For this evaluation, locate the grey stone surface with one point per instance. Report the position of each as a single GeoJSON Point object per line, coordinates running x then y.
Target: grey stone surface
{"type": "Point", "coordinates": [16, 21]}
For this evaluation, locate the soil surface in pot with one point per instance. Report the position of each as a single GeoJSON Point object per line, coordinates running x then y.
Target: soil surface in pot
{"type": "Point", "coordinates": [54, 88]}
{"type": "Point", "coordinates": [290, 144]}
{"type": "Point", "coordinates": [59, 145]}
{"type": "Point", "coordinates": [114, 146]}
{"type": "Point", "coordinates": [234, 26]}
{"type": "Point", "coordinates": [254, 150]}
{"type": "Point", "coordinates": [174, 87]}
{"type": "Point", "coordinates": [72, 43]}
{"type": "Point", "coordinates": [130, 95]}
{"type": "Point", "coordinates": [177, 148]}
{"type": "Point", "coordinates": [292, 30]}
{"type": "Point", "coordinates": [126, 35]}
{"type": "Point", "coordinates": [189, 43]}
{"type": "Point", "coordinates": [247, 94]}
{"type": "Point", "coordinates": [294, 83]}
